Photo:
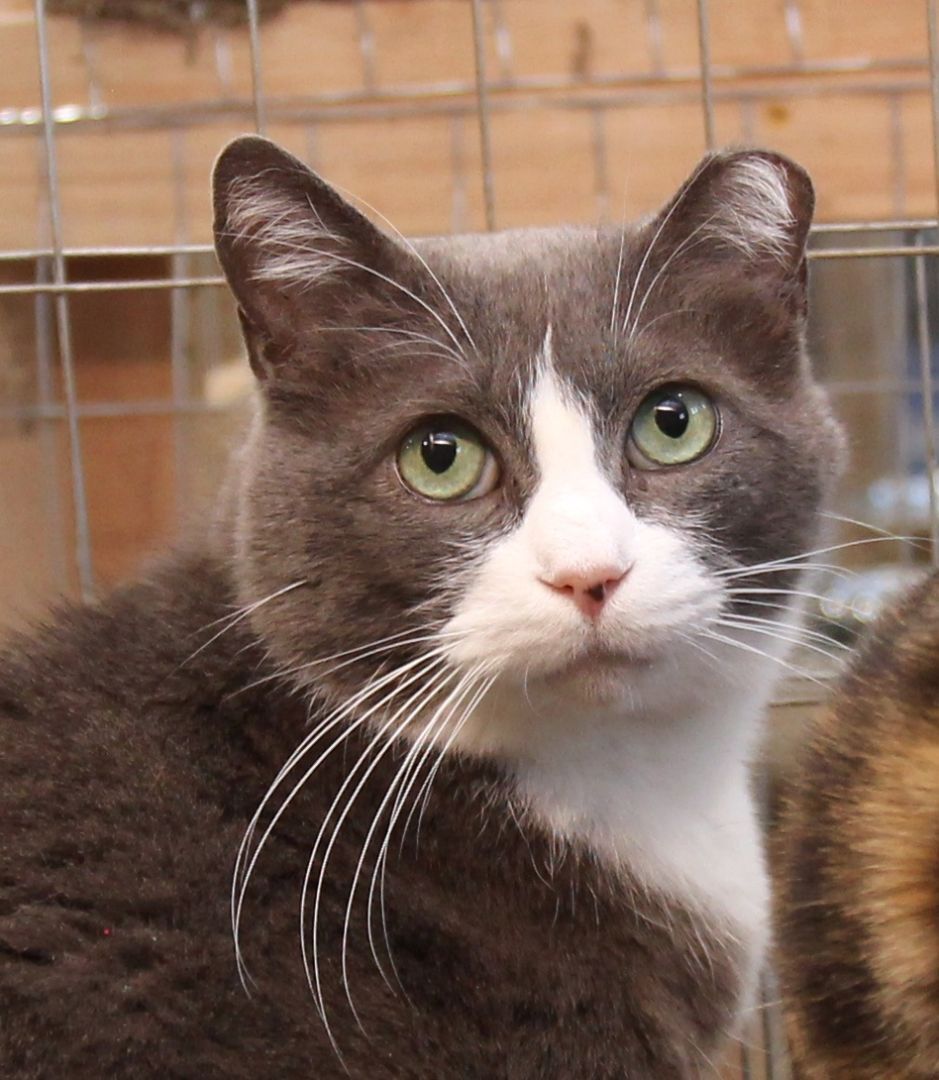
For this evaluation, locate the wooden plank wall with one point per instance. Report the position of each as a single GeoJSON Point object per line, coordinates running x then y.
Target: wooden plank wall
{"type": "Point", "coordinates": [595, 114]}
{"type": "Point", "coordinates": [865, 134]}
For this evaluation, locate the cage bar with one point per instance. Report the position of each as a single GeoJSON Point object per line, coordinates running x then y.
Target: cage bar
{"type": "Point", "coordinates": [83, 556]}
{"type": "Point", "coordinates": [482, 109]}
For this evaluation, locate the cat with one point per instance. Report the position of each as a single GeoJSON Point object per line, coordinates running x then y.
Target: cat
{"type": "Point", "coordinates": [856, 862]}
{"type": "Point", "coordinates": [462, 679]}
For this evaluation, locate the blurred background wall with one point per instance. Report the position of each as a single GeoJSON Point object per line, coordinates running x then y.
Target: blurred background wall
{"type": "Point", "coordinates": [595, 110]}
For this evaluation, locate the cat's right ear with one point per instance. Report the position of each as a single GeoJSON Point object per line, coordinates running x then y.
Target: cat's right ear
{"type": "Point", "coordinates": [742, 214]}
{"type": "Point", "coordinates": [295, 253]}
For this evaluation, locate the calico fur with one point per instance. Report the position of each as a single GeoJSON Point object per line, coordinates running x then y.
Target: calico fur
{"type": "Point", "coordinates": [587, 896]}
{"type": "Point", "coordinates": [856, 862]}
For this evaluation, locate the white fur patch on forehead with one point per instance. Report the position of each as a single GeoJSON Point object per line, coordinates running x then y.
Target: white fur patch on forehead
{"type": "Point", "coordinates": [755, 212]}
{"type": "Point", "coordinates": [561, 428]}
{"type": "Point", "coordinates": [293, 243]}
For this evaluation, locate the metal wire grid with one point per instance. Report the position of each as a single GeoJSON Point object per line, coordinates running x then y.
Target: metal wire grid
{"type": "Point", "coordinates": [708, 84]}
{"type": "Point", "coordinates": [456, 99]}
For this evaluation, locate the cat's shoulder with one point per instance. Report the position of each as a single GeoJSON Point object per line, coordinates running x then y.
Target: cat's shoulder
{"type": "Point", "coordinates": [116, 768]}
{"type": "Point", "coordinates": [104, 697]}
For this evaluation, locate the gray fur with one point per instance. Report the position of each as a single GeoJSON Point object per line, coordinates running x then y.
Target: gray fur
{"type": "Point", "coordinates": [139, 735]}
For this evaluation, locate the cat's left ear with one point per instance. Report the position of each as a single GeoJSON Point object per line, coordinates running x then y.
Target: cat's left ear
{"type": "Point", "coordinates": [744, 209]}
{"type": "Point", "coordinates": [297, 256]}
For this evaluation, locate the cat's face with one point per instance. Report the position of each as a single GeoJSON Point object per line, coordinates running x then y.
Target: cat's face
{"type": "Point", "coordinates": [537, 455]}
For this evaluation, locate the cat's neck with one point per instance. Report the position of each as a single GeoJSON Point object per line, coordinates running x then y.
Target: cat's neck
{"type": "Point", "coordinates": [661, 790]}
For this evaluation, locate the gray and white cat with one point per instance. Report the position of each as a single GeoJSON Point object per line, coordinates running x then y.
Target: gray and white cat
{"type": "Point", "coordinates": [465, 678]}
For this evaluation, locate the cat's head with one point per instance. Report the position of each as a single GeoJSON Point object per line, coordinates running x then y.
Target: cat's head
{"type": "Point", "coordinates": [538, 454]}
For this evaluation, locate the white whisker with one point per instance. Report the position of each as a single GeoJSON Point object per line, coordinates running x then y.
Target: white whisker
{"type": "Point", "coordinates": [434, 314]}
{"type": "Point", "coordinates": [750, 627]}
{"type": "Point", "coordinates": [796, 560]}
{"type": "Point", "coordinates": [239, 616]}
{"type": "Point", "coordinates": [422, 796]}
{"type": "Point", "coordinates": [406, 336]}
{"type": "Point", "coordinates": [690, 640]}
{"type": "Point", "coordinates": [655, 238]}
{"type": "Point", "coordinates": [617, 283]}
{"type": "Point", "coordinates": [314, 977]}
{"type": "Point", "coordinates": [759, 569]}
{"type": "Point", "coordinates": [791, 628]}
{"type": "Point", "coordinates": [439, 715]}
{"type": "Point", "coordinates": [738, 594]}
{"type": "Point", "coordinates": [355, 655]}
{"type": "Point", "coordinates": [429, 662]}
{"type": "Point", "coordinates": [378, 872]}
{"type": "Point", "coordinates": [634, 337]}
{"type": "Point", "coordinates": [914, 541]}
{"type": "Point", "coordinates": [414, 251]}
{"type": "Point", "coordinates": [736, 643]}
{"type": "Point", "coordinates": [685, 245]}
{"type": "Point", "coordinates": [377, 682]}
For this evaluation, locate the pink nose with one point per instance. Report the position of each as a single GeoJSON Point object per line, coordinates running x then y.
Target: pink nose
{"type": "Point", "coordinates": [589, 589]}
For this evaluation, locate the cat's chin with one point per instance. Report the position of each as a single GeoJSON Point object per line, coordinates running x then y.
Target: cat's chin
{"type": "Point", "coordinates": [599, 676]}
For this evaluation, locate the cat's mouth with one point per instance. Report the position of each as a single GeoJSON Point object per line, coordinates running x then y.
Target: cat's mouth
{"type": "Point", "coordinates": [601, 662]}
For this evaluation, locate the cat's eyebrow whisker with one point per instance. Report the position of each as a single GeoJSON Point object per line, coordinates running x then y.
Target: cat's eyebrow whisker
{"type": "Point", "coordinates": [239, 616]}
{"type": "Point", "coordinates": [655, 238]}
{"type": "Point", "coordinates": [405, 335]}
{"type": "Point", "coordinates": [239, 887]}
{"type": "Point", "coordinates": [617, 282]}
{"type": "Point", "coordinates": [634, 337]}
{"type": "Point", "coordinates": [684, 246]}
{"type": "Point", "coordinates": [409, 244]}
{"type": "Point", "coordinates": [420, 350]}
{"type": "Point", "coordinates": [434, 314]}
{"type": "Point", "coordinates": [423, 695]}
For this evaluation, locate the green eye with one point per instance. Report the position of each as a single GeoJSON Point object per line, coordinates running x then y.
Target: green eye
{"type": "Point", "coordinates": [674, 425]}
{"type": "Point", "coordinates": [446, 460]}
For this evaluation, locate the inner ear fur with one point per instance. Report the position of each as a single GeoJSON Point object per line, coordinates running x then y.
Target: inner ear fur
{"type": "Point", "coordinates": [295, 253]}
{"type": "Point", "coordinates": [750, 206]}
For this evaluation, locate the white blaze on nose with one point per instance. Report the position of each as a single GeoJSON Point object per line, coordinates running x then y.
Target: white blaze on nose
{"type": "Point", "coordinates": [581, 532]}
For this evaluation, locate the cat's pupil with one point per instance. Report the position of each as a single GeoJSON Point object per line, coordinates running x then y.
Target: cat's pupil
{"type": "Point", "coordinates": [438, 449]}
{"type": "Point", "coordinates": [671, 417]}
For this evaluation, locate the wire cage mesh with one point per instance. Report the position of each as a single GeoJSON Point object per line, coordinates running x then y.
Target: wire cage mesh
{"type": "Point", "coordinates": [120, 377]}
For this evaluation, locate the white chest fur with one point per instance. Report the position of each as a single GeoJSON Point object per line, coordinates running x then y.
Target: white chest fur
{"type": "Point", "coordinates": [666, 796]}
{"type": "Point", "coordinates": [624, 734]}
